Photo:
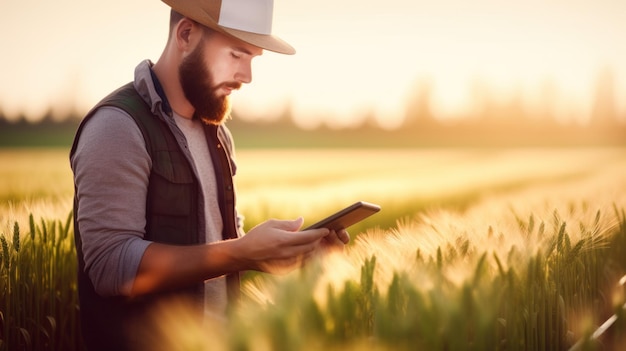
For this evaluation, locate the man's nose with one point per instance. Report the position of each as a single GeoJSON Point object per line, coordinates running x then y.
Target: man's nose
{"type": "Point", "coordinates": [244, 74]}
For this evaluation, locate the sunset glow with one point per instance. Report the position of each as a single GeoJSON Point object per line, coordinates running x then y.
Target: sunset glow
{"type": "Point", "coordinates": [354, 58]}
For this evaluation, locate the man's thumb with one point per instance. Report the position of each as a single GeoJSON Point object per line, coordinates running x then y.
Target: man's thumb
{"type": "Point", "coordinates": [293, 225]}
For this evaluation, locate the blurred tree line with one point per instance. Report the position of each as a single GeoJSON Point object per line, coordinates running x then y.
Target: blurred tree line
{"type": "Point", "coordinates": [490, 123]}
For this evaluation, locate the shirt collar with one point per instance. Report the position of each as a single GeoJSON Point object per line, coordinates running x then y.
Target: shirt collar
{"type": "Point", "coordinates": [159, 90]}
{"type": "Point", "coordinates": [150, 89]}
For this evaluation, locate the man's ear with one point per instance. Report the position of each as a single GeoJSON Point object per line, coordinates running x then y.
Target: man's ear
{"type": "Point", "coordinates": [184, 32]}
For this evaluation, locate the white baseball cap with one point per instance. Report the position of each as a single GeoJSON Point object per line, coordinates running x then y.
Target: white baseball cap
{"type": "Point", "coordinates": [246, 20]}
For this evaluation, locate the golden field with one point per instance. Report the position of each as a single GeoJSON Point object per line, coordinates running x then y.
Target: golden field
{"type": "Point", "coordinates": [510, 249]}
{"type": "Point", "coordinates": [311, 182]}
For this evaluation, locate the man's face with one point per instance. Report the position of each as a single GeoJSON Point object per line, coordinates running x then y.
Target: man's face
{"type": "Point", "coordinates": [217, 66]}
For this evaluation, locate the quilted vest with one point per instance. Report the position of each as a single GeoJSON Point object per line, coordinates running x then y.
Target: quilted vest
{"type": "Point", "coordinates": [171, 217]}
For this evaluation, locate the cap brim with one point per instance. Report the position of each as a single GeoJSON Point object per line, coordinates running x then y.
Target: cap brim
{"type": "Point", "coordinates": [267, 42]}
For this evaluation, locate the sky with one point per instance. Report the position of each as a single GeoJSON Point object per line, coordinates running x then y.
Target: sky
{"type": "Point", "coordinates": [354, 57]}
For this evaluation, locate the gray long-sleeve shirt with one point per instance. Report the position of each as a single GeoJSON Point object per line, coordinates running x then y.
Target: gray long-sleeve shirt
{"type": "Point", "coordinates": [111, 172]}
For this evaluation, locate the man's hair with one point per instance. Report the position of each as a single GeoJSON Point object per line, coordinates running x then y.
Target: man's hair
{"type": "Point", "coordinates": [175, 17]}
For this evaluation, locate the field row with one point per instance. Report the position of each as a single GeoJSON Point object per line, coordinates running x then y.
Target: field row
{"type": "Point", "coordinates": [311, 183]}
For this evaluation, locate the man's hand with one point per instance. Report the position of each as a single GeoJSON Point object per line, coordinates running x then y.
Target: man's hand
{"type": "Point", "coordinates": [276, 246]}
{"type": "Point", "coordinates": [335, 240]}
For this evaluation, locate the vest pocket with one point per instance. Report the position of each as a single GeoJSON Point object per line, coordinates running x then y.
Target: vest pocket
{"type": "Point", "coordinates": [172, 196]}
{"type": "Point", "coordinates": [171, 185]}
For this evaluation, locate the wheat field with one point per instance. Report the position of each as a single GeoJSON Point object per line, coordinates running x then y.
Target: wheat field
{"type": "Point", "coordinates": [474, 249]}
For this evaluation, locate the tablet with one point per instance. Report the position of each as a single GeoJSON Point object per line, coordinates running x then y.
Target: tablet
{"type": "Point", "coordinates": [347, 217]}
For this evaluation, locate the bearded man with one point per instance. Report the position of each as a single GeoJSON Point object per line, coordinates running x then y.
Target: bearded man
{"type": "Point", "coordinates": [154, 207]}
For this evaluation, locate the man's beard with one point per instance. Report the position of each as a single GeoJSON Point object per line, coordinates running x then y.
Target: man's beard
{"type": "Point", "coordinates": [195, 80]}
